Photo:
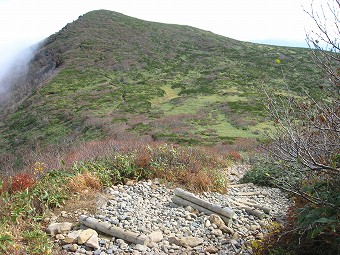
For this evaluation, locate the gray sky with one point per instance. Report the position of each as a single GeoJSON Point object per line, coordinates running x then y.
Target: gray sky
{"type": "Point", "coordinates": [24, 22]}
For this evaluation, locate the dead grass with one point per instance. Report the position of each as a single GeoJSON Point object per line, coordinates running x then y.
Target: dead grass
{"type": "Point", "coordinates": [84, 181]}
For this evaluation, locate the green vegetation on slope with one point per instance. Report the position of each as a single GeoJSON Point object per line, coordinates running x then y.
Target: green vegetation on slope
{"type": "Point", "coordinates": [120, 74]}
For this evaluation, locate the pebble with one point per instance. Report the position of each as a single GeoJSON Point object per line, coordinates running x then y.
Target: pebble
{"type": "Point", "coordinates": [146, 207]}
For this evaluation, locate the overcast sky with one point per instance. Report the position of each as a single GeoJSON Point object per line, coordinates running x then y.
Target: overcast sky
{"type": "Point", "coordinates": [24, 22]}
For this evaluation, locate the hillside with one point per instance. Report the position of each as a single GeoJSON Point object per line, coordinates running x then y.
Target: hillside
{"type": "Point", "coordinates": [110, 75]}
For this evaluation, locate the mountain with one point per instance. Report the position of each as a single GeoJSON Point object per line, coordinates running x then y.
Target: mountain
{"type": "Point", "coordinates": [110, 75]}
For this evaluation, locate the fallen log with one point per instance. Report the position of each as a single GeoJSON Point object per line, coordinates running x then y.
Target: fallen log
{"type": "Point", "coordinates": [253, 193]}
{"type": "Point", "coordinates": [261, 207]}
{"type": "Point", "coordinates": [224, 211]}
{"type": "Point", "coordinates": [181, 201]}
{"type": "Point", "coordinates": [249, 210]}
{"type": "Point", "coordinates": [240, 185]}
{"type": "Point", "coordinates": [117, 232]}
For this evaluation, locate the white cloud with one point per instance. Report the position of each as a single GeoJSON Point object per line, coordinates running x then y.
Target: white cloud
{"type": "Point", "coordinates": [242, 19]}
{"type": "Point", "coordinates": [23, 22]}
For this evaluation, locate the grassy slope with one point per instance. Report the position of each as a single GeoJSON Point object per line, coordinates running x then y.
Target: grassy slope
{"type": "Point", "coordinates": [121, 74]}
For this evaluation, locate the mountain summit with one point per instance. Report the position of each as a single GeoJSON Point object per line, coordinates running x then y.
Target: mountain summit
{"type": "Point", "coordinates": [110, 75]}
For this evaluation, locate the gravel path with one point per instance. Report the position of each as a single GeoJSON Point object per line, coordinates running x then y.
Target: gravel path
{"type": "Point", "coordinates": [146, 207]}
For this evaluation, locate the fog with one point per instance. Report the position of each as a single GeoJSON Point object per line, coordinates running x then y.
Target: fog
{"type": "Point", "coordinates": [14, 65]}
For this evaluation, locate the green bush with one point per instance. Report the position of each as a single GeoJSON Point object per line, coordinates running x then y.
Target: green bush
{"type": "Point", "coordinates": [322, 222]}
{"type": "Point", "coordinates": [261, 175]}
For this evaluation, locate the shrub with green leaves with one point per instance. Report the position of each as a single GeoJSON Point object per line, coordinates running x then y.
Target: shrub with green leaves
{"type": "Point", "coordinates": [262, 175]}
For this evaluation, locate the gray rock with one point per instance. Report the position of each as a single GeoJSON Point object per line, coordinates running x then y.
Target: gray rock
{"type": "Point", "coordinates": [86, 235]}
{"type": "Point", "coordinates": [59, 228]}
{"type": "Point", "coordinates": [187, 241]}
{"type": "Point", "coordinates": [60, 236]}
{"type": "Point", "coordinates": [141, 248]}
{"type": "Point", "coordinates": [64, 214]}
{"type": "Point", "coordinates": [97, 252]}
{"type": "Point", "coordinates": [211, 249]}
{"type": "Point", "coordinates": [66, 246]}
{"type": "Point", "coordinates": [217, 232]}
{"type": "Point", "coordinates": [215, 219]}
{"type": "Point", "coordinates": [72, 237]}
{"type": "Point", "coordinates": [156, 236]}
{"type": "Point", "coordinates": [124, 246]}
{"type": "Point", "coordinates": [73, 247]}
{"type": "Point", "coordinates": [92, 242]}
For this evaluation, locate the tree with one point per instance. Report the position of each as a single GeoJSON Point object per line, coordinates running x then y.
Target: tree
{"type": "Point", "coordinates": [306, 143]}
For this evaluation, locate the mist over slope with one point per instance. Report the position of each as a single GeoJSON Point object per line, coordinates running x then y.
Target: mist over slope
{"type": "Point", "coordinates": [110, 75]}
{"type": "Point", "coordinates": [13, 72]}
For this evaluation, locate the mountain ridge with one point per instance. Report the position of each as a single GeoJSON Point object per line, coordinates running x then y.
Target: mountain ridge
{"type": "Point", "coordinates": [110, 75]}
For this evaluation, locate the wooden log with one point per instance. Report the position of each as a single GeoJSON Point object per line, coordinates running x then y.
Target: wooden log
{"type": "Point", "coordinates": [181, 201]}
{"type": "Point", "coordinates": [261, 207]}
{"type": "Point", "coordinates": [240, 185]}
{"type": "Point", "coordinates": [117, 232]}
{"type": "Point", "coordinates": [254, 193]}
{"type": "Point", "coordinates": [250, 210]}
{"type": "Point", "coordinates": [224, 211]}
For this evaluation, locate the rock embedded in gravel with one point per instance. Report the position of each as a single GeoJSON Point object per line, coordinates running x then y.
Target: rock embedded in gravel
{"type": "Point", "coordinates": [73, 247]}
{"type": "Point", "coordinates": [217, 232]}
{"type": "Point", "coordinates": [93, 242]}
{"type": "Point", "coordinates": [86, 235]}
{"type": "Point", "coordinates": [141, 248]}
{"type": "Point", "coordinates": [59, 228]}
{"type": "Point", "coordinates": [60, 237]}
{"type": "Point", "coordinates": [156, 236]}
{"type": "Point", "coordinates": [215, 219]}
{"type": "Point", "coordinates": [186, 241]}
{"type": "Point", "coordinates": [72, 236]}
{"type": "Point", "coordinates": [211, 249]}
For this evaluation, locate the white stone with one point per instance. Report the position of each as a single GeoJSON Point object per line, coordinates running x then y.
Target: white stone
{"type": "Point", "coordinates": [141, 248]}
{"type": "Point", "coordinates": [93, 242]}
{"type": "Point", "coordinates": [156, 236]}
{"type": "Point", "coordinates": [72, 237]}
{"type": "Point", "coordinates": [59, 228]}
{"type": "Point", "coordinates": [85, 235]}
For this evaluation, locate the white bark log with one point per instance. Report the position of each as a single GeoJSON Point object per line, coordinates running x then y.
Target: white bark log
{"type": "Point", "coordinates": [250, 210]}
{"type": "Point", "coordinates": [240, 185]}
{"type": "Point", "coordinates": [254, 193]}
{"type": "Point", "coordinates": [108, 229]}
{"type": "Point", "coordinates": [261, 207]}
{"type": "Point", "coordinates": [224, 211]}
{"type": "Point", "coordinates": [181, 201]}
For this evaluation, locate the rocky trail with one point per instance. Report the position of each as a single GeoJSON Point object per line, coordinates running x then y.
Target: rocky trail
{"type": "Point", "coordinates": [146, 211]}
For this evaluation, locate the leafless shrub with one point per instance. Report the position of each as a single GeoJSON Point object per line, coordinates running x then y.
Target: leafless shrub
{"type": "Point", "coordinates": [306, 144]}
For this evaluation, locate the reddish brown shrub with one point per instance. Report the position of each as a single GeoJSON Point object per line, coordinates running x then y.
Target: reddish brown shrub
{"type": "Point", "coordinates": [143, 160]}
{"type": "Point", "coordinates": [21, 181]}
{"type": "Point", "coordinates": [234, 155]}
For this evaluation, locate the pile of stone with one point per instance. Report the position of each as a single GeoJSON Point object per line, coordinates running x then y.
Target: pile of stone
{"type": "Point", "coordinates": [149, 221]}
